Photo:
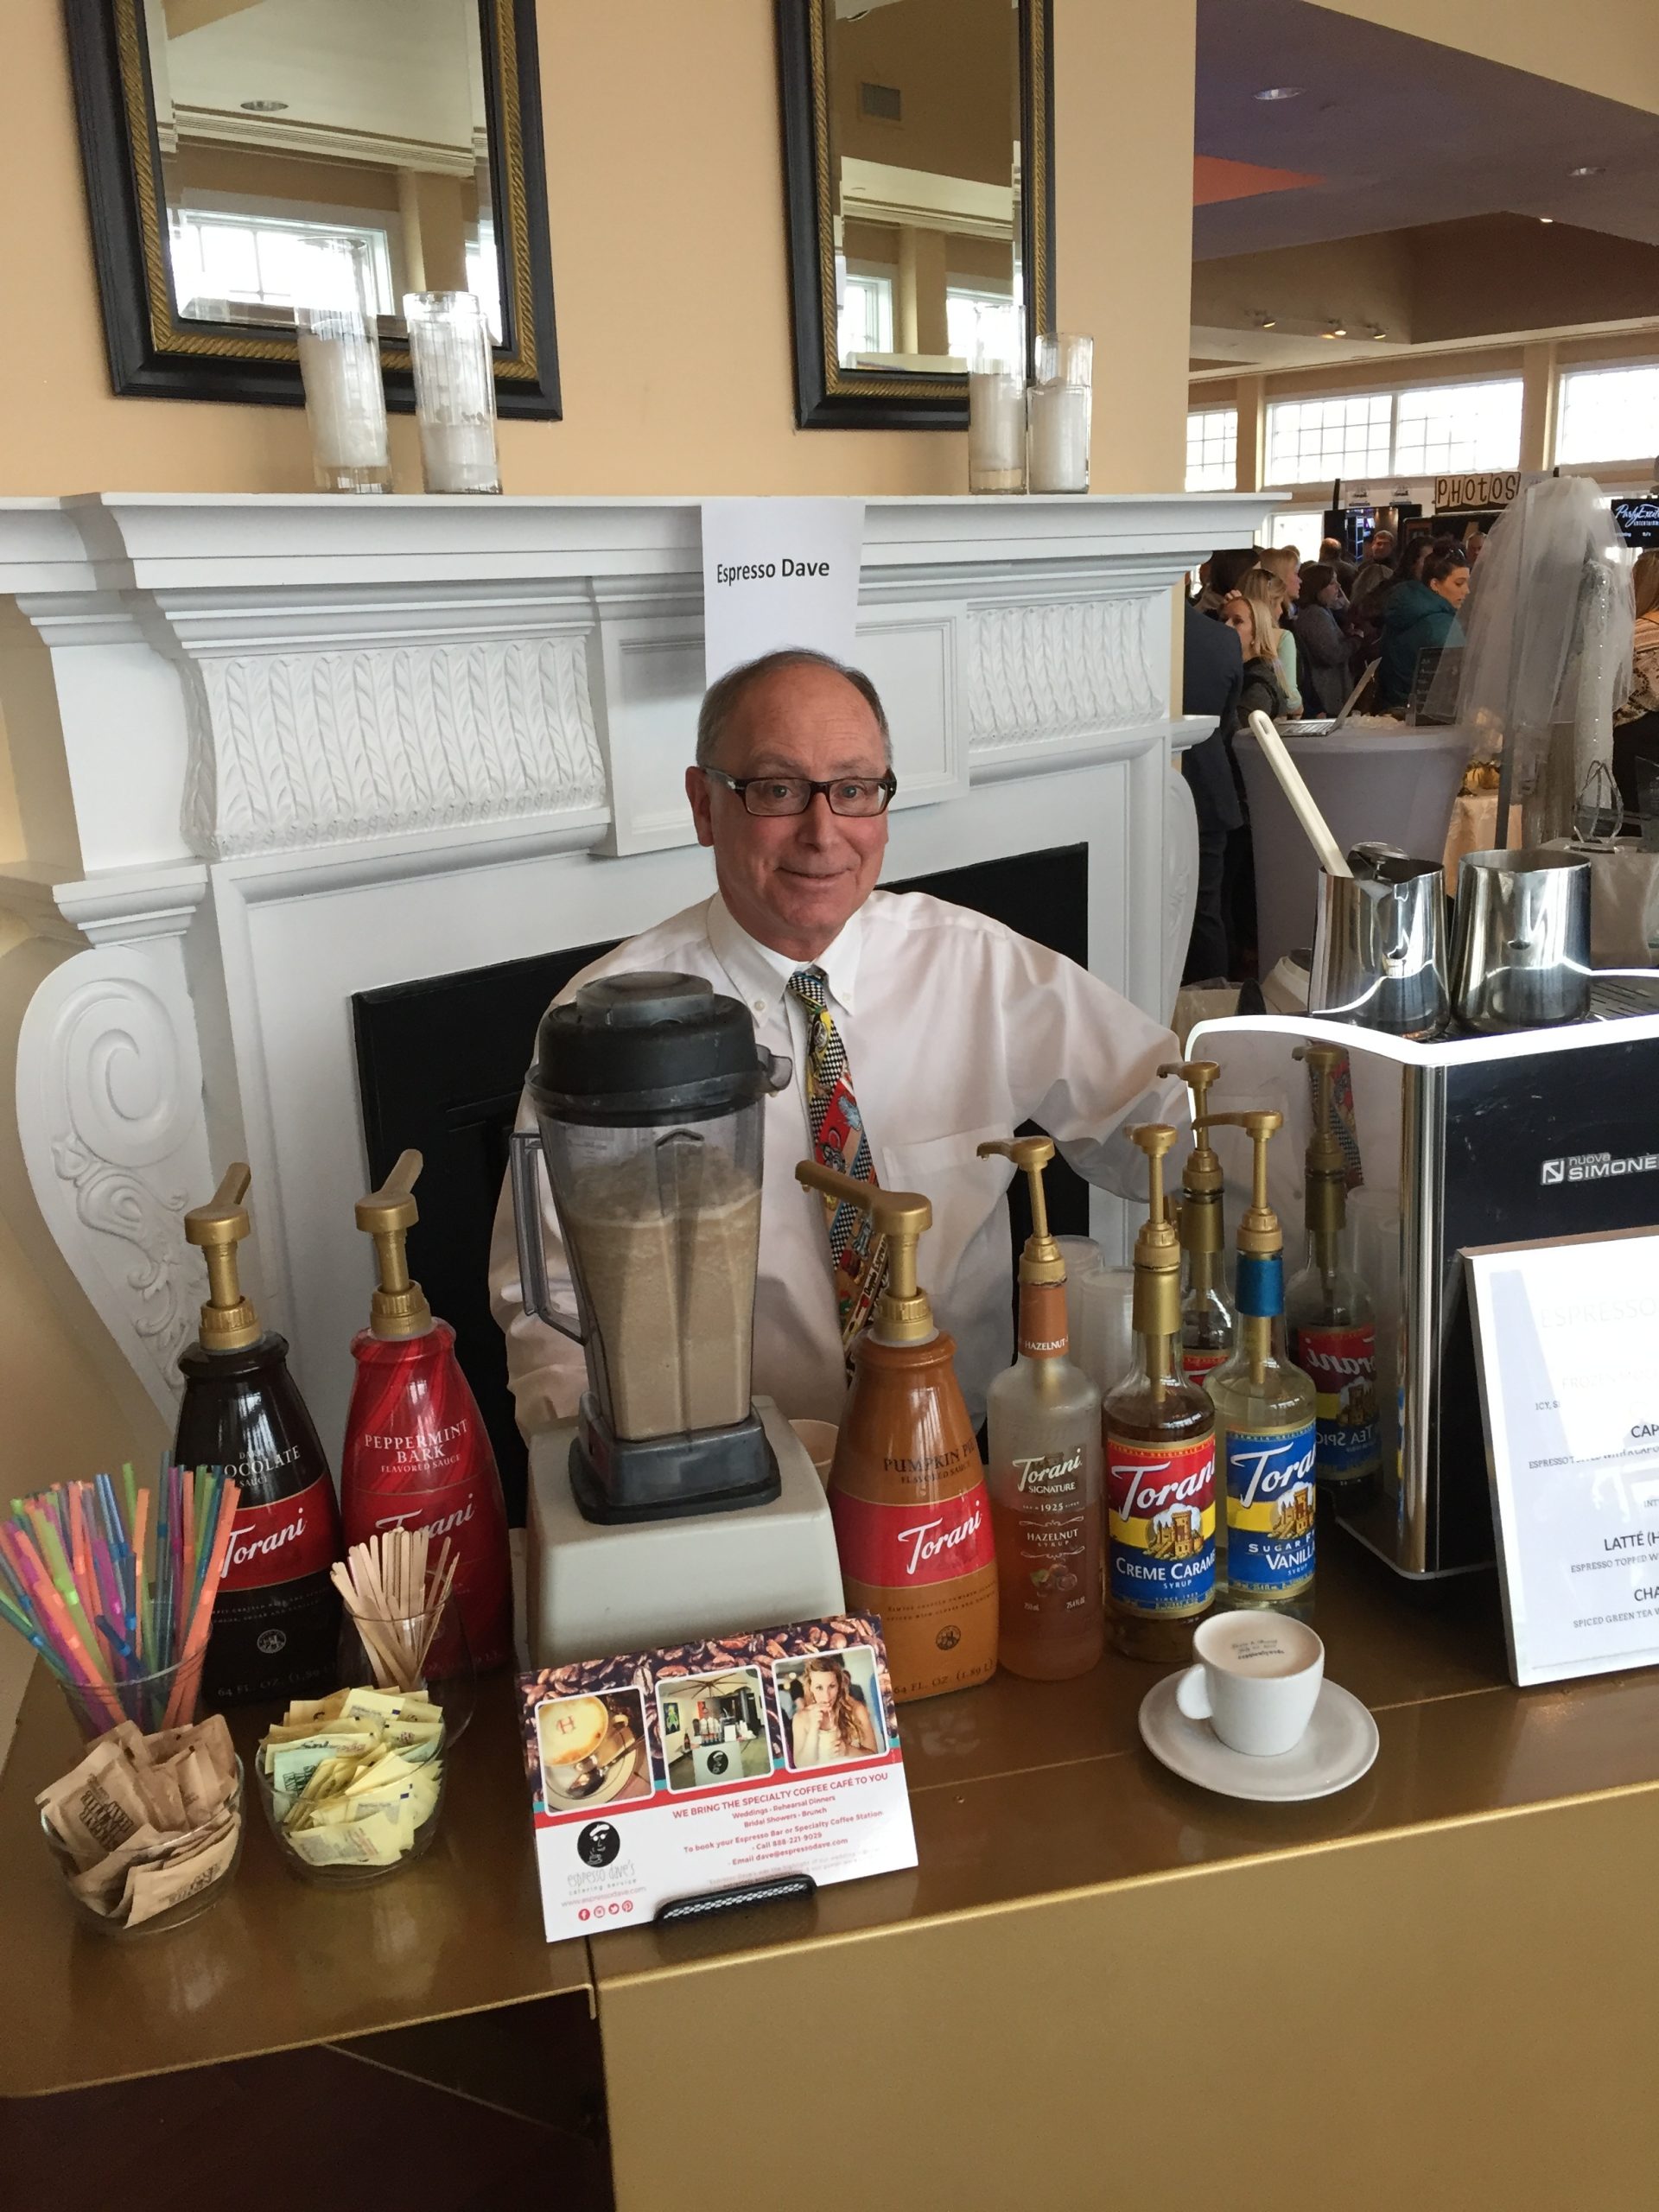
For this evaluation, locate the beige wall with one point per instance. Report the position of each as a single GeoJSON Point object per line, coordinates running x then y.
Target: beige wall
{"type": "Point", "coordinates": [671, 277]}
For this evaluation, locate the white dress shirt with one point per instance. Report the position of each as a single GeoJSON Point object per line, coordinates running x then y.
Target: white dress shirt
{"type": "Point", "coordinates": [956, 1029]}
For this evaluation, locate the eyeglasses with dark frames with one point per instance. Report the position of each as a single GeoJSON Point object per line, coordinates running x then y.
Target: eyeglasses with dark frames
{"type": "Point", "coordinates": [855, 796]}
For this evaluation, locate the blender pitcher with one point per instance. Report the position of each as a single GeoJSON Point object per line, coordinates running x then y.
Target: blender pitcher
{"type": "Point", "coordinates": [649, 1091]}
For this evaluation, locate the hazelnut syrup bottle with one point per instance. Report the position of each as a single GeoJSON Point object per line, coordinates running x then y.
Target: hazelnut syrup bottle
{"type": "Point", "coordinates": [907, 1488]}
{"type": "Point", "coordinates": [1160, 1455]}
{"type": "Point", "coordinates": [276, 1625]}
{"type": "Point", "coordinates": [418, 1455]}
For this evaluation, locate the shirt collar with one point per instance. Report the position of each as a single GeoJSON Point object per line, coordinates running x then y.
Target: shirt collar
{"type": "Point", "coordinates": [758, 973]}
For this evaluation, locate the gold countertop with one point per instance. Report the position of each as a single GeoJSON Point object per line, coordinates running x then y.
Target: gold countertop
{"type": "Point", "coordinates": [1022, 1793]}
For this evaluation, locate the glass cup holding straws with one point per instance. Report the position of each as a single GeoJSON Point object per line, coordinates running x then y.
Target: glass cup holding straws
{"type": "Point", "coordinates": [112, 1587]}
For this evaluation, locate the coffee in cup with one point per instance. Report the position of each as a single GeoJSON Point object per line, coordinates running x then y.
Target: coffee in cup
{"type": "Point", "coordinates": [1256, 1682]}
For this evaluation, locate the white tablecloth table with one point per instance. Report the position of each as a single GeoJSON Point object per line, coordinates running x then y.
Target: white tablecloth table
{"type": "Point", "coordinates": [1396, 786]}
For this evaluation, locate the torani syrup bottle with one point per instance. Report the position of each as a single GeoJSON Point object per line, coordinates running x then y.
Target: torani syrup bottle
{"type": "Point", "coordinates": [907, 1488]}
{"type": "Point", "coordinates": [1043, 1423]}
{"type": "Point", "coordinates": [1160, 1455]}
{"type": "Point", "coordinates": [276, 1628]}
{"type": "Point", "coordinates": [418, 1455]}
{"type": "Point", "coordinates": [1264, 1417]}
{"type": "Point", "coordinates": [1207, 1317]}
{"type": "Point", "coordinates": [1328, 1309]}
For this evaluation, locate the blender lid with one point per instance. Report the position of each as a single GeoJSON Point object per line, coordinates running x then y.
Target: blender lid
{"type": "Point", "coordinates": [646, 1047]}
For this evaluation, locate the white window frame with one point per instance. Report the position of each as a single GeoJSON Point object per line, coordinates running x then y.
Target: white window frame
{"type": "Point", "coordinates": [1645, 448]}
{"type": "Point", "coordinates": [1390, 466]}
{"type": "Point", "coordinates": [375, 239]}
{"type": "Point", "coordinates": [1208, 474]}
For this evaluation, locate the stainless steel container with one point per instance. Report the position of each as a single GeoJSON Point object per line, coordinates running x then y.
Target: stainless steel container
{"type": "Point", "coordinates": [1521, 943]}
{"type": "Point", "coordinates": [1379, 950]}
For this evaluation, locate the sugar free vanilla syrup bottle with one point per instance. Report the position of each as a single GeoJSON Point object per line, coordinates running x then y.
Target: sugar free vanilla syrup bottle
{"type": "Point", "coordinates": [1160, 1455]}
{"type": "Point", "coordinates": [1207, 1317]}
{"type": "Point", "coordinates": [1264, 1419]}
{"type": "Point", "coordinates": [907, 1488]}
{"type": "Point", "coordinates": [418, 1455]}
{"type": "Point", "coordinates": [1328, 1311]}
{"type": "Point", "coordinates": [1043, 1426]}
{"type": "Point", "coordinates": [275, 1625]}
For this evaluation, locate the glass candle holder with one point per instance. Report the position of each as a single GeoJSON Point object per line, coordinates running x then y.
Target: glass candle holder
{"type": "Point", "coordinates": [340, 365]}
{"type": "Point", "coordinates": [996, 430]}
{"type": "Point", "coordinates": [1057, 436]}
{"type": "Point", "coordinates": [454, 391]}
{"type": "Point", "coordinates": [1064, 357]}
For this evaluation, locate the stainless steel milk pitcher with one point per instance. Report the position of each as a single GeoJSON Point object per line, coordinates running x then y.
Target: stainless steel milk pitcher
{"type": "Point", "coordinates": [1521, 942]}
{"type": "Point", "coordinates": [1379, 945]}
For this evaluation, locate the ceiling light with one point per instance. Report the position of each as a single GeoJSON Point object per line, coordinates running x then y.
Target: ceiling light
{"type": "Point", "coordinates": [1589, 168]}
{"type": "Point", "coordinates": [1376, 333]}
{"type": "Point", "coordinates": [265, 107]}
{"type": "Point", "coordinates": [1281, 92]}
{"type": "Point", "coordinates": [1269, 322]}
{"type": "Point", "coordinates": [1546, 219]}
{"type": "Point", "coordinates": [1337, 330]}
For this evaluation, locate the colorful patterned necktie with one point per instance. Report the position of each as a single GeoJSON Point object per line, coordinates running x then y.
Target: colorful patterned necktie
{"type": "Point", "coordinates": [857, 1253]}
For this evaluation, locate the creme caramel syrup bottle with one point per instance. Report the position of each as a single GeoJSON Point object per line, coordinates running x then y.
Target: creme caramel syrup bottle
{"type": "Point", "coordinates": [1161, 1456]}
{"type": "Point", "coordinates": [907, 1488]}
{"type": "Point", "coordinates": [1328, 1309]}
{"type": "Point", "coordinates": [1207, 1317]}
{"type": "Point", "coordinates": [1043, 1424]}
{"type": "Point", "coordinates": [1264, 1418]}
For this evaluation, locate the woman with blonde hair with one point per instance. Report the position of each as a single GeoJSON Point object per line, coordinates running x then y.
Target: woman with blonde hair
{"type": "Point", "coordinates": [1252, 611]}
{"type": "Point", "coordinates": [1635, 724]}
{"type": "Point", "coordinates": [830, 1722]}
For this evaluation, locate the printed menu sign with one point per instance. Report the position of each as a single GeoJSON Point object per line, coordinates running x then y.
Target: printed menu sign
{"type": "Point", "coordinates": [661, 1775]}
{"type": "Point", "coordinates": [1565, 1332]}
{"type": "Point", "coordinates": [779, 572]}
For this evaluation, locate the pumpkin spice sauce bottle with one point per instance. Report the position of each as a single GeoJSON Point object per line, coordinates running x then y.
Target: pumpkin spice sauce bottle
{"type": "Point", "coordinates": [907, 1489]}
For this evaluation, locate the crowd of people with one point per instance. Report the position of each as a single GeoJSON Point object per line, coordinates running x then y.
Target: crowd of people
{"type": "Point", "coordinates": [1267, 631]}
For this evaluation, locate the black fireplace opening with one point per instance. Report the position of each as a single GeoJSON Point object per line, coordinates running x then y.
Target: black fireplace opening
{"type": "Point", "coordinates": [440, 1064]}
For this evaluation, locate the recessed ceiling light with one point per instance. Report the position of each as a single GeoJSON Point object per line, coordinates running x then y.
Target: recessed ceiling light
{"type": "Point", "coordinates": [265, 107]}
{"type": "Point", "coordinates": [1269, 322]}
{"type": "Point", "coordinates": [1546, 219]}
{"type": "Point", "coordinates": [1337, 330]}
{"type": "Point", "coordinates": [1281, 92]}
{"type": "Point", "coordinates": [1589, 169]}
{"type": "Point", "coordinates": [1376, 334]}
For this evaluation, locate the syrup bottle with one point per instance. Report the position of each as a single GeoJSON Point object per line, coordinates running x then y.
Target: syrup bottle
{"type": "Point", "coordinates": [1264, 1417]}
{"type": "Point", "coordinates": [1160, 1455]}
{"type": "Point", "coordinates": [1043, 1421]}
{"type": "Point", "coordinates": [1207, 1317]}
{"type": "Point", "coordinates": [907, 1488]}
{"type": "Point", "coordinates": [275, 1627]}
{"type": "Point", "coordinates": [418, 1455]}
{"type": "Point", "coordinates": [1328, 1308]}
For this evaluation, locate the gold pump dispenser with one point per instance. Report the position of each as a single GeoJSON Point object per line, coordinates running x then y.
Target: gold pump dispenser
{"type": "Point", "coordinates": [902, 1314]}
{"type": "Point", "coordinates": [1326, 1173]}
{"type": "Point", "coordinates": [399, 1307]}
{"type": "Point", "coordinates": [1328, 1308]}
{"type": "Point", "coordinates": [1042, 1261]}
{"type": "Point", "coordinates": [228, 1320]}
{"type": "Point", "coordinates": [1157, 1307]}
{"type": "Point", "coordinates": [1260, 1236]}
{"type": "Point", "coordinates": [907, 1462]}
{"type": "Point", "coordinates": [1207, 1320]}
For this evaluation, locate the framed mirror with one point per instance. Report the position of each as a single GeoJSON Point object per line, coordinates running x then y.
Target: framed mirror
{"type": "Point", "coordinates": [224, 141]}
{"type": "Point", "coordinates": [918, 154]}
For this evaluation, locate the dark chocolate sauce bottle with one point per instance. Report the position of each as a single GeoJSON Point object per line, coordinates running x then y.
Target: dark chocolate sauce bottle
{"type": "Point", "coordinates": [276, 1628]}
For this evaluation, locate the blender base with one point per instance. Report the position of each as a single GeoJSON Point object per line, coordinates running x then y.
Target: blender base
{"type": "Point", "coordinates": [594, 1588]}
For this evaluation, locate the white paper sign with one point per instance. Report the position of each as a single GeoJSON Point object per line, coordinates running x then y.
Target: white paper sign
{"type": "Point", "coordinates": [779, 572]}
{"type": "Point", "coordinates": [1567, 1338]}
{"type": "Point", "coordinates": [658, 1775]}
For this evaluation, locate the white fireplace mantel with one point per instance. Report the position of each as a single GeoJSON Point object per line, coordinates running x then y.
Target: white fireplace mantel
{"type": "Point", "coordinates": [287, 749]}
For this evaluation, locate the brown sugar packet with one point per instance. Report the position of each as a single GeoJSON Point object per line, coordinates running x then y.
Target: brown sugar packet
{"type": "Point", "coordinates": [96, 1806]}
{"type": "Point", "coordinates": [101, 1886]}
{"type": "Point", "coordinates": [153, 1888]}
{"type": "Point", "coordinates": [164, 1799]}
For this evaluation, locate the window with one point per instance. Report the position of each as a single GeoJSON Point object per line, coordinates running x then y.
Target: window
{"type": "Point", "coordinates": [1609, 414]}
{"type": "Point", "coordinates": [982, 325]}
{"type": "Point", "coordinates": [1308, 439]}
{"type": "Point", "coordinates": [1457, 426]}
{"type": "Point", "coordinates": [865, 322]}
{"type": "Point", "coordinates": [1212, 450]}
{"type": "Point", "coordinates": [262, 260]}
{"type": "Point", "coordinates": [1302, 527]}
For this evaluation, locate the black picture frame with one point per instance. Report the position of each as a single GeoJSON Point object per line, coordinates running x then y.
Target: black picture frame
{"type": "Point", "coordinates": [827, 397]}
{"type": "Point", "coordinates": [155, 354]}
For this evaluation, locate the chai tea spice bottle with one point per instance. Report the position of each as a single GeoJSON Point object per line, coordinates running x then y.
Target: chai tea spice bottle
{"type": "Point", "coordinates": [1043, 1422]}
{"type": "Point", "coordinates": [907, 1489]}
{"type": "Point", "coordinates": [1160, 1455]}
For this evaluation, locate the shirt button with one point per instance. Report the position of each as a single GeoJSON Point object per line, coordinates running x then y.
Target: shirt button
{"type": "Point", "coordinates": [759, 1005]}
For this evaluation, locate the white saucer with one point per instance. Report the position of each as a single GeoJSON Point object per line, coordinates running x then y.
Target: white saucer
{"type": "Point", "coordinates": [1340, 1746]}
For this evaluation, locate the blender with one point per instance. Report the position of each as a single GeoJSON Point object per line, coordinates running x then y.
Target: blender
{"type": "Point", "coordinates": [674, 1505]}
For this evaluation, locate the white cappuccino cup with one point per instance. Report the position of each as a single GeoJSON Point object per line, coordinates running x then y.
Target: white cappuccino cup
{"type": "Point", "coordinates": [1256, 1682]}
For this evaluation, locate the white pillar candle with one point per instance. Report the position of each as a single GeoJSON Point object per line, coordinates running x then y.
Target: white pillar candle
{"type": "Point", "coordinates": [996, 431]}
{"type": "Point", "coordinates": [458, 457]}
{"type": "Point", "coordinates": [1057, 424]}
{"type": "Point", "coordinates": [455, 391]}
{"type": "Point", "coordinates": [345, 404]}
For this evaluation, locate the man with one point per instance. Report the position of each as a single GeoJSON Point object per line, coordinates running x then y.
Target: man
{"type": "Point", "coordinates": [1332, 556]}
{"type": "Point", "coordinates": [1375, 572]}
{"type": "Point", "coordinates": [924, 1029]}
{"type": "Point", "coordinates": [1212, 671]}
{"type": "Point", "coordinates": [1221, 575]}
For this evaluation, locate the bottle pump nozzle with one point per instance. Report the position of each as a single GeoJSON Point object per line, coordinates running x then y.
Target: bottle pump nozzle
{"type": "Point", "coordinates": [1042, 1260]}
{"type": "Point", "coordinates": [902, 1314]}
{"type": "Point", "coordinates": [399, 1307]}
{"type": "Point", "coordinates": [1327, 1171]}
{"type": "Point", "coordinates": [1259, 1233]}
{"type": "Point", "coordinates": [1201, 1178]}
{"type": "Point", "coordinates": [228, 1320]}
{"type": "Point", "coordinates": [1157, 1309]}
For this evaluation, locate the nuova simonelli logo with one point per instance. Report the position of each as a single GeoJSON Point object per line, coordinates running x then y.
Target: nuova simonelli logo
{"type": "Point", "coordinates": [1597, 1167]}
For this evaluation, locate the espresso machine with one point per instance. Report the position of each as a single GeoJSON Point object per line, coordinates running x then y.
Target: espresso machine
{"type": "Point", "coordinates": [674, 1505]}
{"type": "Point", "coordinates": [1464, 1141]}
